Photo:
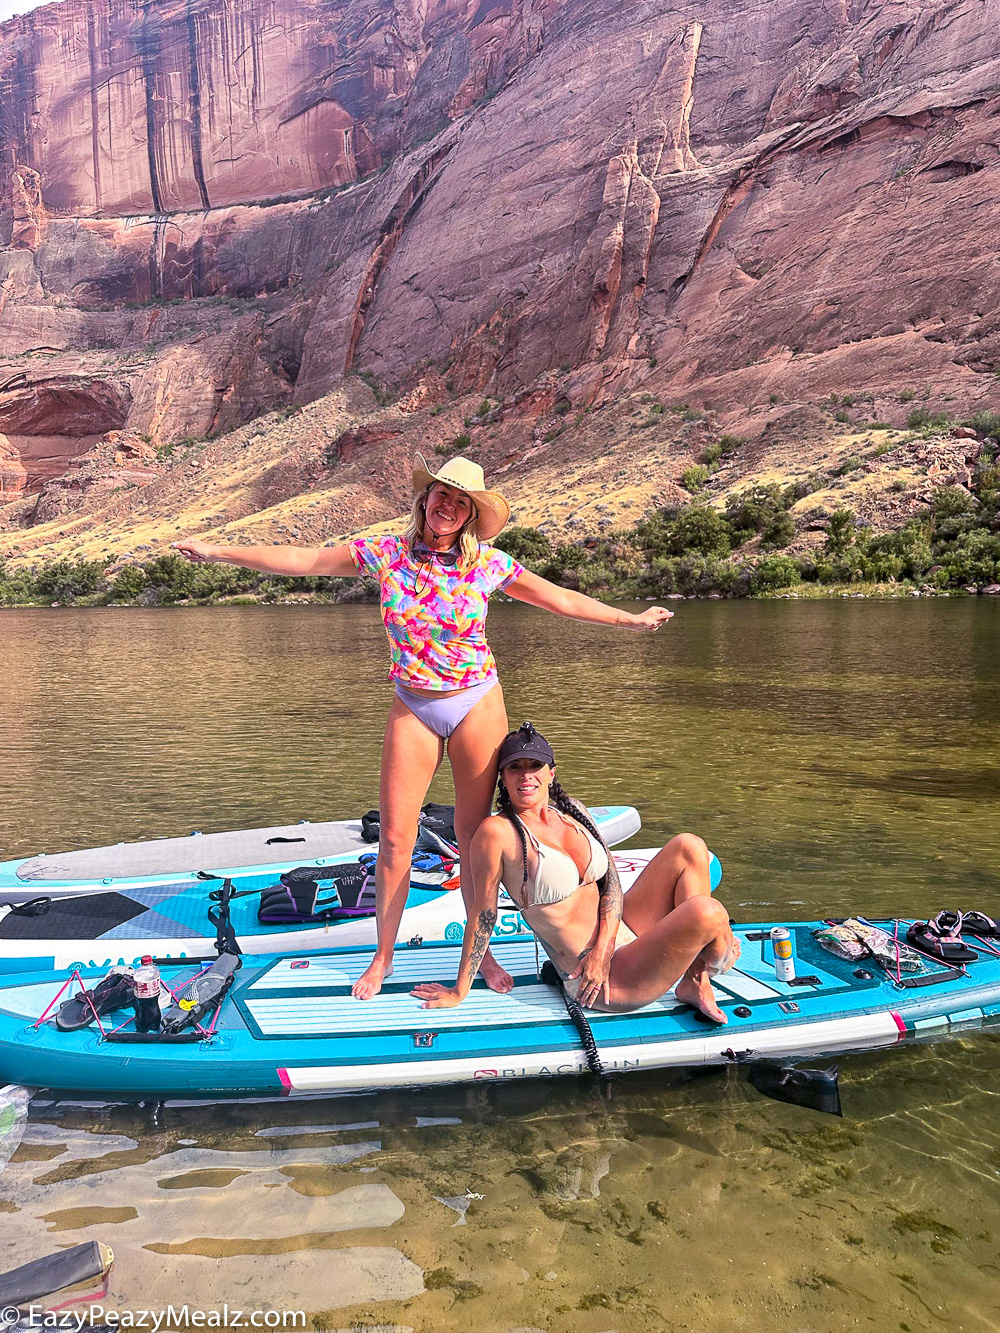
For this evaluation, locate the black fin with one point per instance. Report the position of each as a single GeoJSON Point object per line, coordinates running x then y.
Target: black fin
{"type": "Point", "coordinates": [816, 1089]}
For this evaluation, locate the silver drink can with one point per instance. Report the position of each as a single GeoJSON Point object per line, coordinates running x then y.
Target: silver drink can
{"type": "Point", "coordinates": [784, 963]}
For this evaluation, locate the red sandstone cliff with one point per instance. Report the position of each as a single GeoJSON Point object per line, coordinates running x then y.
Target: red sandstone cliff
{"type": "Point", "coordinates": [715, 199]}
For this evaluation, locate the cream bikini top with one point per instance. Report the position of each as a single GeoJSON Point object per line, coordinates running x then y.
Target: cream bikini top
{"type": "Point", "coordinates": [556, 875]}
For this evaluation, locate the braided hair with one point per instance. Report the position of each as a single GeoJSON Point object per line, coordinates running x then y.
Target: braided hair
{"type": "Point", "coordinates": [559, 797]}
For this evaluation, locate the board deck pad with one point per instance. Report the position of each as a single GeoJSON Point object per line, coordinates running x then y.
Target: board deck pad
{"type": "Point", "coordinates": [201, 851]}
{"type": "Point", "coordinates": [300, 997]}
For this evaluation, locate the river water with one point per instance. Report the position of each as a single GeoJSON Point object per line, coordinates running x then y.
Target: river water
{"type": "Point", "coordinates": [838, 756]}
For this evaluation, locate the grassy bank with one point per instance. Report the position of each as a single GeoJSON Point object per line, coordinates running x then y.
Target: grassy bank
{"type": "Point", "coordinates": [693, 550]}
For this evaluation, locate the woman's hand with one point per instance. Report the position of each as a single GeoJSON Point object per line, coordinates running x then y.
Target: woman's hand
{"type": "Point", "coordinates": [594, 971]}
{"type": "Point", "coordinates": [195, 550]}
{"type": "Point", "coordinates": [652, 618]}
{"type": "Point", "coordinates": [436, 996]}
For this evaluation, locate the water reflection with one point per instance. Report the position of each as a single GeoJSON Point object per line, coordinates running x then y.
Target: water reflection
{"type": "Point", "coordinates": [837, 756]}
{"type": "Point", "coordinates": [581, 1209]}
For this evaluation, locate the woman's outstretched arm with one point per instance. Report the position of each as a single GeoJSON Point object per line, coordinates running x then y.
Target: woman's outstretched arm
{"type": "Point", "coordinates": [487, 867]}
{"type": "Point", "coordinates": [536, 591]}
{"type": "Point", "coordinates": [297, 561]}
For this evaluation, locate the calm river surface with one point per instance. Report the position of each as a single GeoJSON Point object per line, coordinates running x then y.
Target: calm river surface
{"type": "Point", "coordinates": [838, 756]}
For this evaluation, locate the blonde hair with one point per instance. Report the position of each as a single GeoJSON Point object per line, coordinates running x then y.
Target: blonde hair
{"type": "Point", "coordinates": [468, 542]}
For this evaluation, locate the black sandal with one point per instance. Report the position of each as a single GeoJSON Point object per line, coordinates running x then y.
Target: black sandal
{"type": "Point", "coordinates": [978, 923]}
{"type": "Point", "coordinates": [945, 948]}
{"type": "Point", "coordinates": [115, 991]}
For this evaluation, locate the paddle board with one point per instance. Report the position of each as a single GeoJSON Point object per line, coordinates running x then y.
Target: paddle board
{"type": "Point", "coordinates": [252, 858]}
{"type": "Point", "coordinates": [290, 1026]}
{"type": "Point", "coordinates": [117, 928]}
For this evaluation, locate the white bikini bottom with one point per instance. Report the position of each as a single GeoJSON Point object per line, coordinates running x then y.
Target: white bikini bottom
{"type": "Point", "coordinates": [623, 937]}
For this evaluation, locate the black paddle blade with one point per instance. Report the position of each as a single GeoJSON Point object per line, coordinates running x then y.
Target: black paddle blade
{"type": "Point", "coordinates": [815, 1089]}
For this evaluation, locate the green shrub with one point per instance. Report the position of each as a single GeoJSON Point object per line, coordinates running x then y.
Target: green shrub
{"type": "Point", "coordinates": [985, 423]}
{"type": "Point", "coordinates": [730, 443]}
{"type": "Point", "coordinates": [461, 441]}
{"type": "Point", "coordinates": [129, 583]}
{"type": "Point", "coordinates": [693, 478]}
{"type": "Point", "coordinates": [773, 572]}
{"type": "Point", "coordinates": [382, 396]}
{"type": "Point", "coordinates": [949, 502]}
{"type": "Point", "coordinates": [64, 579]}
{"type": "Point", "coordinates": [905, 553]}
{"type": "Point", "coordinates": [974, 558]}
{"type": "Point", "coordinates": [527, 545]}
{"type": "Point", "coordinates": [779, 532]}
{"type": "Point", "coordinates": [840, 531]}
{"type": "Point", "coordinates": [697, 528]}
{"type": "Point", "coordinates": [712, 454]}
{"type": "Point", "coordinates": [922, 418]}
{"type": "Point", "coordinates": [17, 586]}
{"type": "Point", "coordinates": [751, 511]}
{"type": "Point", "coordinates": [848, 465]}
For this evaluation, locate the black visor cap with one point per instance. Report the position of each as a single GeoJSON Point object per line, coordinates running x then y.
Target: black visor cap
{"type": "Point", "coordinates": [526, 743]}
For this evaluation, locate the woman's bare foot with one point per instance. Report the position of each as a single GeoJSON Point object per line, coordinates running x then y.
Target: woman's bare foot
{"type": "Point", "coordinates": [695, 989]}
{"type": "Point", "coordinates": [496, 977]}
{"type": "Point", "coordinates": [728, 960]}
{"type": "Point", "coordinates": [370, 981]}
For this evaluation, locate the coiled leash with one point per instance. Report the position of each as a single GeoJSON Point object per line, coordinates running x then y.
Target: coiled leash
{"type": "Point", "coordinates": [575, 1010]}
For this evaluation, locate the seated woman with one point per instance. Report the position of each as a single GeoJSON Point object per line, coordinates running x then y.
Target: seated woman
{"type": "Point", "coordinates": [613, 953]}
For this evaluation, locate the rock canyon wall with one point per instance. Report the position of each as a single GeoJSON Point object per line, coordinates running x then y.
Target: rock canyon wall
{"type": "Point", "coordinates": [209, 209]}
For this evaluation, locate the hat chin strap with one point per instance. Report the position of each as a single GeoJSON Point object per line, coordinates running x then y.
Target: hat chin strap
{"type": "Point", "coordinates": [437, 535]}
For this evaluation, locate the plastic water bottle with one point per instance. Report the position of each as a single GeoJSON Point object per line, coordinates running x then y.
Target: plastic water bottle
{"type": "Point", "coordinates": [13, 1117]}
{"type": "Point", "coordinates": [146, 980]}
{"type": "Point", "coordinates": [200, 994]}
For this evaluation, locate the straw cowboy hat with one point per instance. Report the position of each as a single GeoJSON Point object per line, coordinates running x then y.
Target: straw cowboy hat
{"type": "Point", "coordinates": [493, 510]}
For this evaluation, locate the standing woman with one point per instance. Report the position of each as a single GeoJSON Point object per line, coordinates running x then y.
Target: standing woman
{"type": "Point", "coordinates": [435, 582]}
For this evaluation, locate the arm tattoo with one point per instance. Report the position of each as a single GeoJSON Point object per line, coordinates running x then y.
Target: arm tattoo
{"type": "Point", "coordinates": [481, 940]}
{"type": "Point", "coordinates": [610, 889]}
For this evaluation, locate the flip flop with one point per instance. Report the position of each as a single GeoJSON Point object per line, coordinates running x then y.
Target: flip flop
{"type": "Point", "coordinates": [115, 991]}
{"type": "Point", "coordinates": [945, 948]}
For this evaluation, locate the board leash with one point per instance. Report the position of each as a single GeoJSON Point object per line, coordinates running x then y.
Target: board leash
{"type": "Point", "coordinates": [551, 977]}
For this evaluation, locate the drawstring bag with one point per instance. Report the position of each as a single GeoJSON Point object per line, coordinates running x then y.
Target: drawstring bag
{"type": "Point", "coordinates": [435, 834]}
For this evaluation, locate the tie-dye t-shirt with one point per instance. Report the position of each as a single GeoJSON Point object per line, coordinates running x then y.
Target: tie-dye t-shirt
{"type": "Point", "coordinates": [435, 615]}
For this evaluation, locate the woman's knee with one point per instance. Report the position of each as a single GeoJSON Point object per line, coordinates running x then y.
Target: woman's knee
{"type": "Point", "coordinates": [690, 849]}
{"type": "Point", "coordinates": [706, 915]}
{"type": "Point", "coordinates": [395, 844]}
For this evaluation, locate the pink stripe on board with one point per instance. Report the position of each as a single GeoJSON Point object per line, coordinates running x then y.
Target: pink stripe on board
{"type": "Point", "coordinates": [899, 1022]}
{"type": "Point", "coordinates": [286, 1082]}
